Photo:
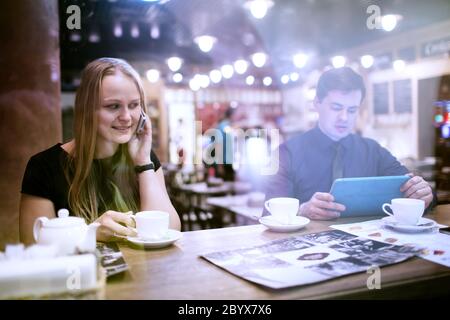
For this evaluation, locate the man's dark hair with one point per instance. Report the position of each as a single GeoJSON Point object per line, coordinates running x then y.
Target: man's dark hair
{"type": "Point", "coordinates": [342, 79]}
{"type": "Point", "coordinates": [228, 113]}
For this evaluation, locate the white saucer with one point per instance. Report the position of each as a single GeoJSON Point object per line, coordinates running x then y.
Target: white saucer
{"type": "Point", "coordinates": [171, 237]}
{"type": "Point", "coordinates": [424, 224]}
{"type": "Point", "coordinates": [297, 223]}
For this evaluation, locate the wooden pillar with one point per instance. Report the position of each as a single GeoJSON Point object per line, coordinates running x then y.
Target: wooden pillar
{"type": "Point", "coordinates": [30, 113]}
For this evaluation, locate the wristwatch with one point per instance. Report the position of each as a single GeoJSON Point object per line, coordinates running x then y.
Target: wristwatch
{"type": "Point", "coordinates": [145, 167]}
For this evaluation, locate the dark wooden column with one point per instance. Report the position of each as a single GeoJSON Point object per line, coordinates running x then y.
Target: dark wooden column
{"type": "Point", "coordinates": [30, 113]}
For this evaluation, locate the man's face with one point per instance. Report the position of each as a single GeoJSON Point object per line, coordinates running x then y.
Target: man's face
{"type": "Point", "coordinates": [337, 113]}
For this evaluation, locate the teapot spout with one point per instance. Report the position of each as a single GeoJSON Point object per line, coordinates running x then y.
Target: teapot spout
{"type": "Point", "coordinates": [89, 242]}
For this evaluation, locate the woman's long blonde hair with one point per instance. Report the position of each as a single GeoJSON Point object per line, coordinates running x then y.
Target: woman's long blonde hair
{"type": "Point", "coordinates": [85, 198]}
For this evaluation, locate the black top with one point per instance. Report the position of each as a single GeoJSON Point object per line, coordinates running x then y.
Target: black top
{"type": "Point", "coordinates": [44, 176]}
{"type": "Point", "coordinates": [306, 164]}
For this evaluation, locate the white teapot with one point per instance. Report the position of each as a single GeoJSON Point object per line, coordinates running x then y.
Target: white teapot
{"type": "Point", "coordinates": [69, 234]}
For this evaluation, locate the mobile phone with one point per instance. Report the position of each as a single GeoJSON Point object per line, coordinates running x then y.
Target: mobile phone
{"type": "Point", "coordinates": [445, 230]}
{"type": "Point", "coordinates": [141, 123]}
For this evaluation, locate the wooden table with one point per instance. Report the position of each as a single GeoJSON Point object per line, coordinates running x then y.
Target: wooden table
{"type": "Point", "coordinates": [177, 272]}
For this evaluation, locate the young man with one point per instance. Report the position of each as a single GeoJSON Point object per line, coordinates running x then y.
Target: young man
{"type": "Point", "coordinates": [310, 162]}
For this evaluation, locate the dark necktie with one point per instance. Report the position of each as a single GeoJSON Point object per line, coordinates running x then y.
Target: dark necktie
{"type": "Point", "coordinates": [338, 163]}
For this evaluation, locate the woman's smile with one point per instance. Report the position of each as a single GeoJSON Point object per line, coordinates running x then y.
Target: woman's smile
{"type": "Point", "coordinates": [122, 129]}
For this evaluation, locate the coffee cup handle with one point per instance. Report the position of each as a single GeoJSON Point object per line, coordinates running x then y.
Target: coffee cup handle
{"type": "Point", "coordinates": [385, 211]}
{"type": "Point", "coordinates": [134, 229]}
{"type": "Point", "coordinates": [266, 205]}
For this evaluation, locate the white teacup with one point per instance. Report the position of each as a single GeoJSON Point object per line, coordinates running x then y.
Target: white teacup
{"type": "Point", "coordinates": [405, 211]}
{"type": "Point", "coordinates": [283, 209]}
{"type": "Point", "coordinates": [151, 225]}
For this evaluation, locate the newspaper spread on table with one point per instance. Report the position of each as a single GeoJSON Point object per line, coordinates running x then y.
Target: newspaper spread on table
{"type": "Point", "coordinates": [305, 259]}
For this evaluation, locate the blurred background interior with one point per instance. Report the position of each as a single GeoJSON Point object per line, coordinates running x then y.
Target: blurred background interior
{"type": "Point", "coordinates": [198, 58]}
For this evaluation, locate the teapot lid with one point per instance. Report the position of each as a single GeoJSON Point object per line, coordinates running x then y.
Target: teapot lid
{"type": "Point", "coordinates": [64, 221]}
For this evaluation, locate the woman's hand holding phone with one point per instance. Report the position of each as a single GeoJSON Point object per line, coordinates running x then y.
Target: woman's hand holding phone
{"type": "Point", "coordinates": [140, 144]}
{"type": "Point", "coordinates": [141, 124]}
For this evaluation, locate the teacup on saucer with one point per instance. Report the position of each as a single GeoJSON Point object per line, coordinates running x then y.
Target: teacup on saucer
{"type": "Point", "coordinates": [283, 209]}
{"type": "Point", "coordinates": [406, 211]}
{"type": "Point", "coordinates": [423, 224]}
{"type": "Point", "coordinates": [155, 237]}
{"type": "Point", "coordinates": [171, 237]}
{"type": "Point", "coordinates": [151, 225]}
{"type": "Point", "coordinates": [298, 222]}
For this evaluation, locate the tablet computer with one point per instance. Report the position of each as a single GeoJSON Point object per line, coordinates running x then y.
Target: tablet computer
{"type": "Point", "coordinates": [365, 196]}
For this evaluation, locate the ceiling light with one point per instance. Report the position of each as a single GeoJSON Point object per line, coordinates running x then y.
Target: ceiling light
{"type": "Point", "coordinates": [227, 71]}
{"type": "Point", "coordinates": [118, 30]}
{"type": "Point", "coordinates": [205, 43]}
{"type": "Point", "coordinates": [367, 61]}
{"type": "Point", "coordinates": [294, 76]}
{"type": "Point", "coordinates": [389, 21]}
{"type": "Point", "coordinates": [267, 81]}
{"type": "Point", "coordinates": [177, 77]}
{"type": "Point", "coordinates": [338, 61]}
{"type": "Point", "coordinates": [194, 85]}
{"type": "Point", "coordinates": [134, 30]}
{"type": "Point", "coordinates": [174, 63]}
{"type": "Point", "coordinates": [203, 80]}
{"type": "Point", "coordinates": [75, 37]}
{"type": "Point", "coordinates": [152, 75]}
{"type": "Point", "coordinates": [259, 59]}
{"type": "Point", "coordinates": [258, 8]}
{"type": "Point", "coordinates": [300, 60]}
{"type": "Point", "coordinates": [240, 66]}
{"type": "Point", "coordinates": [215, 76]}
{"type": "Point", "coordinates": [250, 80]}
{"type": "Point", "coordinates": [284, 78]}
{"type": "Point", "coordinates": [154, 31]}
{"type": "Point", "coordinates": [94, 37]}
{"type": "Point", "coordinates": [399, 65]}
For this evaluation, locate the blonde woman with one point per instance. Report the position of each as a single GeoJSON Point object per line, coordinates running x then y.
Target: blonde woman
{"type": "Point", "coordinates": [108, 170]}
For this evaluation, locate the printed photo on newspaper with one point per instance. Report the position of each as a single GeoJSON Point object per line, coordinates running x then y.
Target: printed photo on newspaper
{"type": "Point", "coordinates": [310, 258]}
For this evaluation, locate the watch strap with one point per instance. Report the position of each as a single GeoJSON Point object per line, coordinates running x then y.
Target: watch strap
{"type": "Point", "coordinates": [145, 167]}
